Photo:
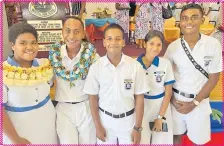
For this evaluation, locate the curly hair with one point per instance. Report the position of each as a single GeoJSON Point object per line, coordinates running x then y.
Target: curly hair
{"type": "Point", "coordinates": [19, 28]}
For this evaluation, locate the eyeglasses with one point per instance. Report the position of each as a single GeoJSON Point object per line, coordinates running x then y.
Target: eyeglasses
{"type": "Point", "coordinates": [193, 18]}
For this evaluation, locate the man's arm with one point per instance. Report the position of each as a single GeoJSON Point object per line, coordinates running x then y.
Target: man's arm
{"type": "Point", "coordinates": [139, 109]}
{"type": "Point", "coordinates": [208, 87]}
{"type": "Point", "coordinates": [94, 107]}
{"type": "Point", "coordinates": [204, 93]}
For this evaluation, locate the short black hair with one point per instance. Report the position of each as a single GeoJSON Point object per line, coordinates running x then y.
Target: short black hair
{"type": "Point", "coordinates": [19, 28]}
{"type": "Point", "coordinates": [113, 26]}
{"type": "Point", "coordinates": [192, 6]}
{"type": "Point", "coordinates": [154, 33]}
{"type": "Point", "coordinates": [75, 18]}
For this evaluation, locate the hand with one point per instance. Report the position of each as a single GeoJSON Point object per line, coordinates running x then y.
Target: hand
{"type": "Point", "coordinates": [135, 136]}
{"type": "Point", "coordinates": [158, 125]}
{"type": "Point", "coordinates": [175, 103]}
{"type": "Point", "coordinates": [186, 107]}
{"type": "Point", "coordinates": [21, 140]}
{"type": "Point", "coordinates": [101, 133]}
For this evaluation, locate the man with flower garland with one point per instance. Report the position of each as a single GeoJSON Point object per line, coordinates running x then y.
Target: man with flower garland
{"type": "Point", "coordinates": [71, 62]}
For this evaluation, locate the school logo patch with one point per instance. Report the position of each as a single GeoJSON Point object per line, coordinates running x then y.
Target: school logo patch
{"type": "Point", "coordinates": [207, 60]}
{"type": "Point", "coordinates": [159, 75]}
{"type": "Point", "coordinates": [43, 9]}
{"type": "Point", "coordinates": [127, 84]}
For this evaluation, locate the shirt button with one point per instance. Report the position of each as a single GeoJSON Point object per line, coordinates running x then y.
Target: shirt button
{"type": "Point", "coordinates": [146, 73]}
{"type": "Point", "coordinates": [36, 88]}
{"type": "Point", "coordinates": [147, 92]}
{"type": "Point", "coordinates": [36, 100]}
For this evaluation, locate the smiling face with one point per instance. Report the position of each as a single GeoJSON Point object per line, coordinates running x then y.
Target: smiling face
{"type": "Point", "coordinates": [114, 41]}
{"type": "Point", "coordinates": [25, 47]}
{"type": "Point", "coordinates": [73, 33]}
{"type": "Point", "coordinates": [153, 46]}
{"type": "Point", "coordinates": [190, 21]}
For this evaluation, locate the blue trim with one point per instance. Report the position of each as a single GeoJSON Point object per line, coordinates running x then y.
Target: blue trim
{"type": "Point", "coordinates": [12, 62]}
{"type": "Point", "coordinates": [154, 96]}
{"type": "Point", "coordinates": [28, 108]}
{"type": "Point", "coordinates": [139, 59]}
{"type": "Point", "coordinates": [155, 61]}
{"type": "Point", "coordinates": [169, 82]}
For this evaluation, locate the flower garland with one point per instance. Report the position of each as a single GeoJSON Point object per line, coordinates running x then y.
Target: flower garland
{"type": "Point", "coordinates": [80, 69]}
{"type": "Point", "coordinates": [19, 76]}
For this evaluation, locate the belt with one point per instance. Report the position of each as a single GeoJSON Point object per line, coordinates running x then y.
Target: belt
{"type": "Point", "coordinates": [75, 102]}
{"type": "Point", "coordinates": [184, 94]}
{"type": "Point", "coordinates": [154, 96]}
{"type": "Point", "coordinates": [28, 108]}
{"type": "Point", "coordinates": [120, 115]}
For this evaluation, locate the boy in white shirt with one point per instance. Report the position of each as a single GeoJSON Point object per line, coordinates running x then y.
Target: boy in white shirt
{"type": "Point", "coordinates": [116, 84]}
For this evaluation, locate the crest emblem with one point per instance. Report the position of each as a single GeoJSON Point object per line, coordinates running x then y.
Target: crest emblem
{"type": "Point", "coordinates": [207, 60]}
{"type": "Point", "coordinates": [127, 83]}
{"type": "Point", "coordinates": [43, 9]}
{"type": "Point", "coordinates": [159, 75]}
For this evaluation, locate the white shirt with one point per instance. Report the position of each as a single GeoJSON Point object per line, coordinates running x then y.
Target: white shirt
{"type": "Point", "coordinates": [159, 74]}
{"type": "Point", "coordinates": [116, 86]}
{"type": "Point", "coordinates": [23, 96]}
{"type": "Point", "coordinates": [207, 53]}
{"type": "Point", "coordinates": [63, 91]}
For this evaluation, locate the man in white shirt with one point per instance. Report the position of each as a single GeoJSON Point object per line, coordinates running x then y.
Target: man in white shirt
{"type": "Point", "coordinates": [116, 84]}
{"type": "Point", "coordinates": [71, 62]}
{"type": "Point", "coordinates": [191, 109]}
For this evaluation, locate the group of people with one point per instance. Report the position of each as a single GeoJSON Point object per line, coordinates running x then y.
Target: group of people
{"type": "Point", "coordinates": [115, 98]}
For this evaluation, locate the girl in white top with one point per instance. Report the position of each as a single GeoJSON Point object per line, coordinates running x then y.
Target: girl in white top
{"type": "Point", "coordinates": [157, 102]}
{"type": "Point", "coordinates": [28, 115]}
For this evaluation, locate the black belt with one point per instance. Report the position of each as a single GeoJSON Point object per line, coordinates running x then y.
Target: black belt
{"type": "Point", "coordinates": [184, 94]}
{"type": "Point", "coordinates": [74, 102]}
{"type": "Point", "coordinates": [120, 115]}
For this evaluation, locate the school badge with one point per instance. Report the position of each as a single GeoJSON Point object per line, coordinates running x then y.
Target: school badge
{"type": "Point", "coordinates": [127, 83]}
{"type": "Point", "coordinates": [43, 9]}
{"type": "Point", "coordinates": [159, 75]}
{"type": "Point", "coordinates": [207, 60]}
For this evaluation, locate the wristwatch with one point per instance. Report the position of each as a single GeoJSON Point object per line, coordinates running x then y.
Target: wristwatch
{"type": "Point", "coordinates": [195, 102]}
{"type": "Point", "coordinates": [139, 129]}
{"type": "Point", "coordinates": [161, 117]}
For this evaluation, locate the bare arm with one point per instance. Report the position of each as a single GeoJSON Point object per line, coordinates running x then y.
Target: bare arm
{"type": "Point", "coordinates": [10, 131]}
{"type": "Point", "coordinates": [208, 87]}
{"type": "Point", "coordinates": [94, 107]}
{"type": "Point", "coordinates": [139, 109]}
{"type": "Point", "coordinates": [8, 128]}
{"type": "Point", "coordinates": [187, 107]}
{"type": "Point", "coordinates": [166, 99]}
